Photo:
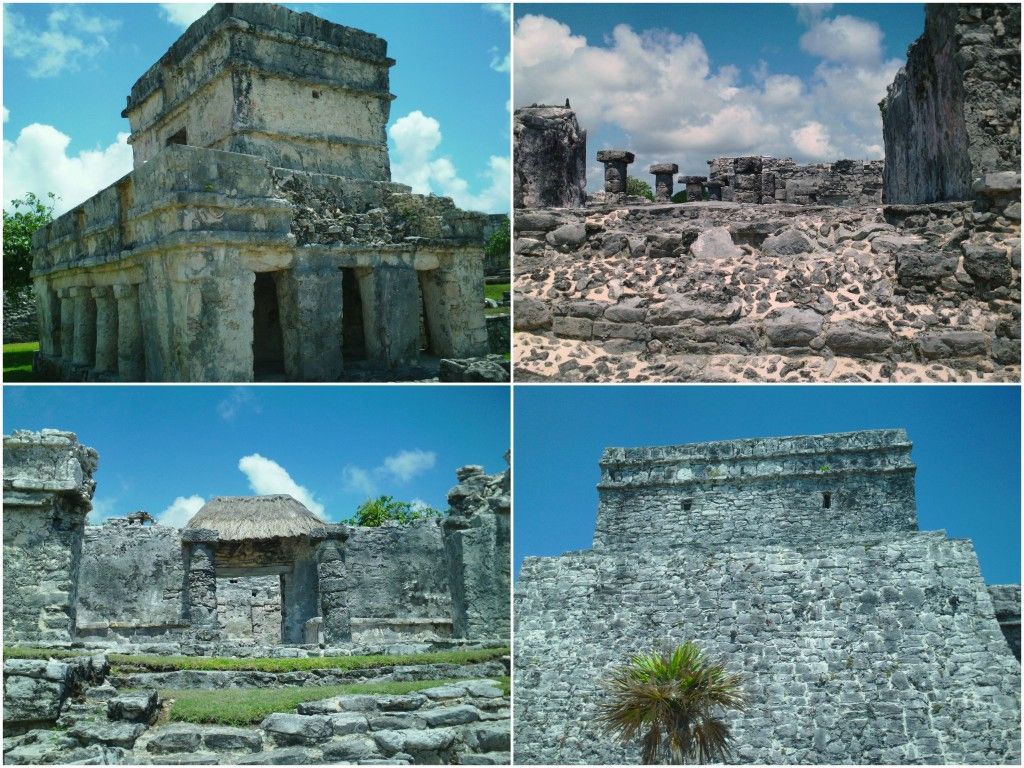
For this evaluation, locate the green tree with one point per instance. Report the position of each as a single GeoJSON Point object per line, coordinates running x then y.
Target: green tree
{"type": "Point", "coordinates": [375, 512]}
{"type": "Point", "coordinates": [500, 243]}
{"type": "Point", "coordinates": [638, 188]}
{"type": "Point", "coordinates": [670, 699]}
{"type": "Point", "coordinates": [29, 214]}
{"type": "Point", "coordinates": [679, 197]}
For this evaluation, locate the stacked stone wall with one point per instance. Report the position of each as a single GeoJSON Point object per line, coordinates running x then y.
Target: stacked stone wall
{"type": "Point", "coordinates": [953, 112]}
{"type": "Point", "coordinates": [876, 649]}
{"type": "Point", "coordinates": [715, 291]}
{"type": "Point", "coordinates": [131, 582]}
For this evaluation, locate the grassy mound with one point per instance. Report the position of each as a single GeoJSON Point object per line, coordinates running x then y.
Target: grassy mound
{"type": "Point", "coordinates": [247, 706]}
{"type": "Point", "coordinates": [18, 361]}
{"type": "Point", "coordinates": [152, 663]}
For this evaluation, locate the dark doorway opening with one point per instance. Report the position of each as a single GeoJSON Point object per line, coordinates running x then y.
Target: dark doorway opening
{"type": "Point", "coordinates": [353, 337]}
{"type": "Point", "coordinates": [267, 339]}
{"type": "Point", "coordinates": [826, 500]}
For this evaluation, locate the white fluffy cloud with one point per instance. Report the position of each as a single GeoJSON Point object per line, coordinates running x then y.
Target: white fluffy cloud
{"type": "Point", "coordinates": [503, 10]}
{"type": "Point", "coordinates": [416, 139]}
{"type": "Point", "coordinates": [183, 14]}
{"type": "Point", "coordinates": [180, 511]}
{"type": "Point", "coordinates": [670, 103]}
{"type": "Point", "coordinates": [399, 467]}
{"type": "Point", "coordinates": [38, 161]}
{"type": "Point", "coordinates": [500, 63]}
{"type": "Point", "coordinates": [844, 39]}
{"type": "Point", "coordinates": [70, 38]}
{"type": "Point", "coordinates": [266, 476]}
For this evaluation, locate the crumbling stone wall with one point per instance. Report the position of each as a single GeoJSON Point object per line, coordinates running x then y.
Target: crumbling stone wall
{"type": "Point", "coordinates": [249, 608]}
{"type": "Point", "coordinates": [48, 490]}
{"type": "Point", "coordinates": [550, 153]}
{"type": "Point", "coordinates": [854, 646]}
{"type": "Point", "coordinates": [953, 112]}
{"type": "Point", "coordinates": [132, 581]}
{"type": "Point", "coordinates": [765, 180]}
{"type": "Point", "coordinates": [1006, 603]}
{"type": "Point", "coordinates": [477, 542]}
{"type": "Point", "coordinates": [715, 291]}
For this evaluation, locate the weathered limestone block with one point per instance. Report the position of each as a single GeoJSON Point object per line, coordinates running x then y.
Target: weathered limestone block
{"type": "Point", "coordinates": [1006, 603]}
{"type": "Point", "coordinates": [551, 158]}
{"type": "Point", "coordinates": [615, 162]}
{"type": "Point", "coordinates": [48, 489]}
{"type": "Point", "coordinates": [477, 543]}
{"type": "Point", "coordinates": [663, 175]}
{"type": "Point", "coordinates": [953, 112]}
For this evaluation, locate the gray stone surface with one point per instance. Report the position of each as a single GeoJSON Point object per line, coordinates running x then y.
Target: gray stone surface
{"type": "Point", "coordinates": [551, 158]}
{"type": "Point", "coordinates": [953, 112]}
{"type": "Point", "coordinates": [862, 641]}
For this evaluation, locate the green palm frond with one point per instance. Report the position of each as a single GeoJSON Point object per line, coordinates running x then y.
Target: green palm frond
{"type": "Point", "coordinates": [670, 699]}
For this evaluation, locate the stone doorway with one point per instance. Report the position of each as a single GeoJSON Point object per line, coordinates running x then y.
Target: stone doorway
{"type": "Point", "coordinates": [267, 338]}
{"type": "Point", "coordinates": [353, 332]}
{"type": "Point", "coordinates": [430, 313]}
{"type": "Point", "coordinates": [250, 608]}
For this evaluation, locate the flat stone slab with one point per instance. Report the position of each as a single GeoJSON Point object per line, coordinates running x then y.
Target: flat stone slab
{"type": "Point", "coordinates": [615, 156]}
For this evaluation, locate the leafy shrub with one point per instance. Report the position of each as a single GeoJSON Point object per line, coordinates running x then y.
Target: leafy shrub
{"type": "Point", "coordinates": [638, 188]}
{"type": "Point", "coordinates": [30, 213]}
{"type": "Point", "coordinates": [373, 513]}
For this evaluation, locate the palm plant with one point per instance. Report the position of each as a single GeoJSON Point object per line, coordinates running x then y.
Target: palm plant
{"type": "Point", "coordinates": [672, 697]}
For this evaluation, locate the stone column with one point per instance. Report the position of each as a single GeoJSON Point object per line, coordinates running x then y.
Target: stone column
{"type": "Point", "coordinates": [130, 366]}
{"type": "Point", "coordinates": [202, 583]}
{"type": "Point", "coordinates": [663, 173]}
{"type": "Point", "coordinates": [310, 303]}
{"type": "Point", "coordinates": [694, 187]}
{"type": "Point", "coordinates": [47, 317]}
{"type": "Point", "coordinates": [330, 567]}
{"type": "Point", "coordinates": [67, 324]}
{"type": "Point", "coordinates": [714, 190]}
{"type": "Point", "coordinates": [391, 315]}
{"type": "Point", "coordinates": [615, 169]}
{"type": "Point", "coordinates": [85, 326]}
{"type": "Point", "coordinates": [106, 329]}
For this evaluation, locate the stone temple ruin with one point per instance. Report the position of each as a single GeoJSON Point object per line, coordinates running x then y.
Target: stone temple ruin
{"type": "Point", "coordinates": [259, 235]}
{"type": "Point", "coordinates": [907, 270]}
{"type": "Point", "coordinates": [256, 576]}
{"type": "Point", "coordinates": [799, 562]}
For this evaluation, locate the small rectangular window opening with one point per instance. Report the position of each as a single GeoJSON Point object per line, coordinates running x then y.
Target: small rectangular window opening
{"type": "Point", "coordinates": [316, 94]}
{"type": "Point", "coordinates": [826, 500]}
{"type": "Point", "coordinates": [687, 505]}
{"type": "Point", "coordinates": [178, 138]}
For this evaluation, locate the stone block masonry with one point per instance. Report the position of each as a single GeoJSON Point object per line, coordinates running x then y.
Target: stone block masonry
{"type": "Point", "coordinates": [863, 641]}
{"type": "Point", "coordinates": [952, 115]}
{"type": "Point", "coordinates": [48, 490]}
{"type": "Point", "coordinates": [250, 242]}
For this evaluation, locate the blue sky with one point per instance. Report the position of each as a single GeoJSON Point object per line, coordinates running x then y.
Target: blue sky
{"type": "Point", "coordinates": [688, 82]}
{"type": "Point", "coordinates": [70, 67]}
{"type": "Point", "coordinates": [167, 449]}
{"type": "Point", "coordinates": [966, 448]}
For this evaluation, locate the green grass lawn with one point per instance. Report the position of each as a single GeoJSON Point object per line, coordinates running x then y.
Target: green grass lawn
{"type": "Point", "coordinates": [247, 706]}
{"type": "Point", "coordinates": [153, 663]}
{"type": "Point", "coordinates": [496, 290]}
{"type": "Point", "coordinates": [18, 361]}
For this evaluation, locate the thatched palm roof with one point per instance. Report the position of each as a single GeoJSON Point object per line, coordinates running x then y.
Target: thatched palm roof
{"type": "Point", "coordinates": [236, 518]}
